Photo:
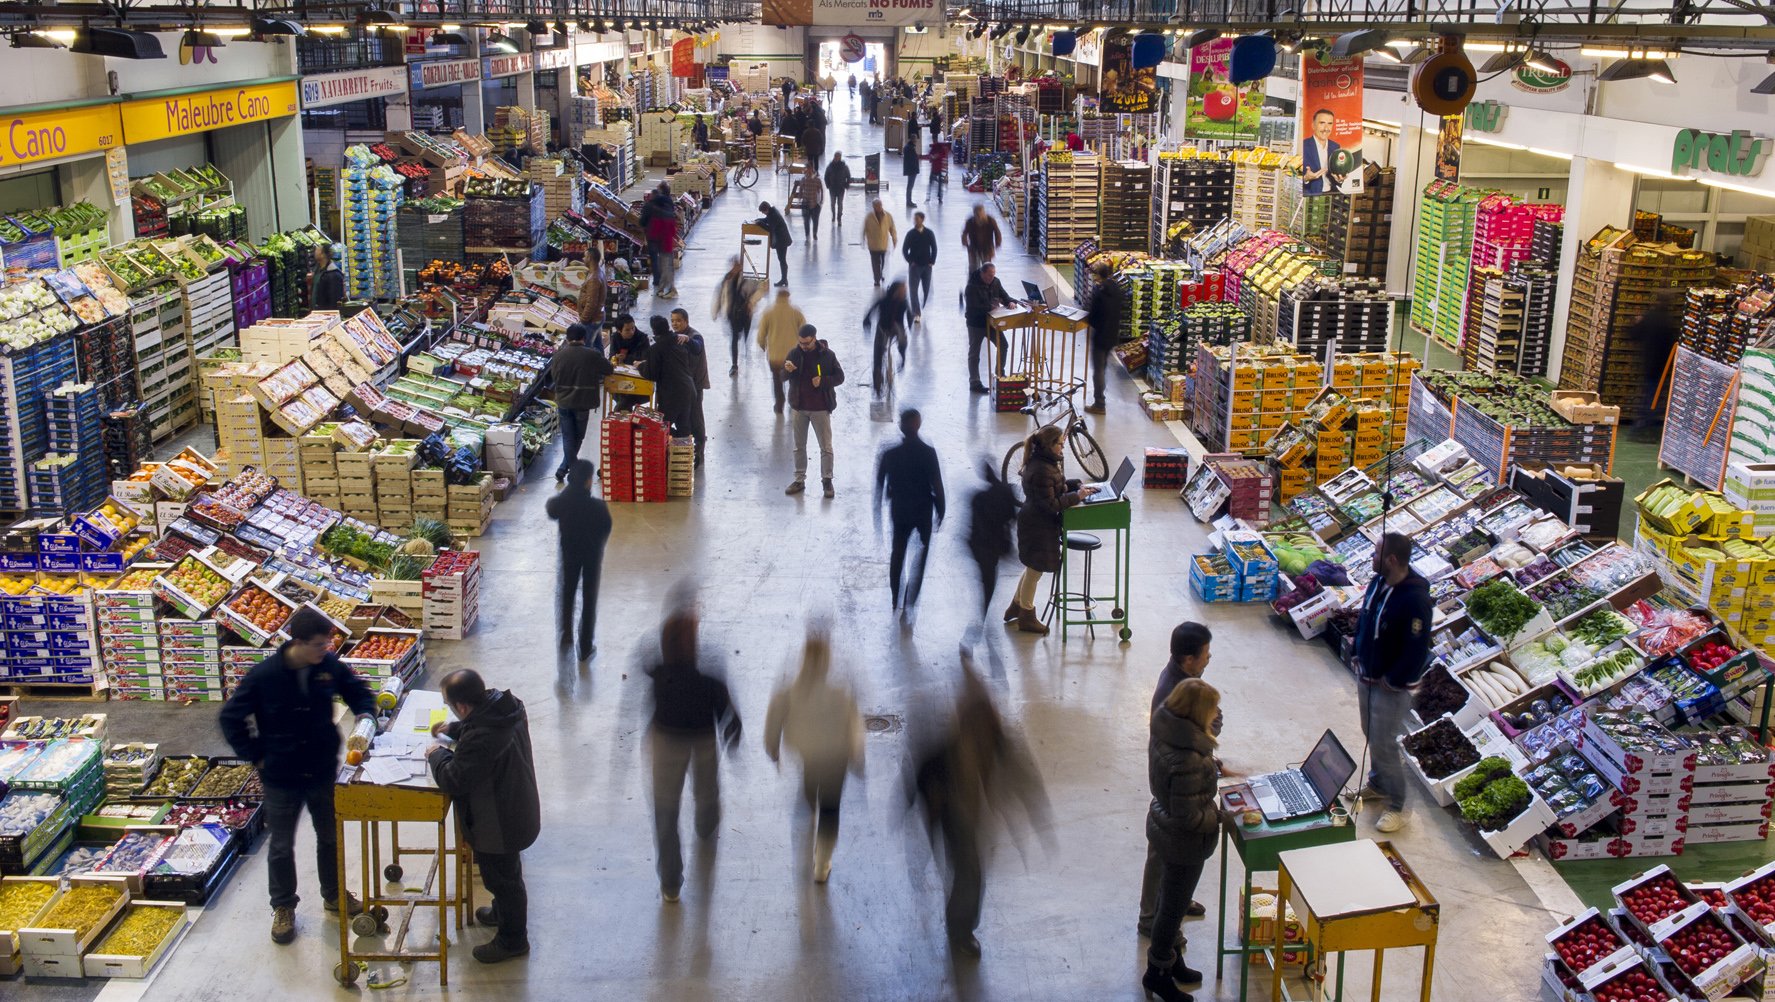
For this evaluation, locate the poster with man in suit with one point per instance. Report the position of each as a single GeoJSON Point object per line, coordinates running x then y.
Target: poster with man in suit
{"type": "Point", "coordinates": [1331, 125]}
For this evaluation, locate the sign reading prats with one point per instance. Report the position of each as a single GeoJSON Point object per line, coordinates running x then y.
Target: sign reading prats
{"type": "Point", "coordinates": [1734, 154]}
{"type": "Point", "coordinates": [853, 12]}
{"type": "Point", "coordinates": [353, 85]}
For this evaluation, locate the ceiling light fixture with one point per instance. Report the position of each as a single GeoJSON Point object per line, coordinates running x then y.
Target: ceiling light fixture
{"type": "Point", "coordinates": [195, 37]}
{"type": "Point", "coordinates": [448, 37]}
{"type": "Point", "coordinates": [497, 42]}
{"type": "Point", "coordinates": [375, 15]}
{"type": "Point", "coordinates": [559, 28]}
{"type": "Point", "coordinates": [1729, 186]}
{"type": "Point", "coordinates": [33, 40]}
{"type": "Point", "coordinates": [536, 27]}
{"type": "Point", "coordinates": [1355, 43]}
{"type": "Point", "coordinates": [1637, 69]}
{"type": "Point", "coordinates": [1201, 36]}
{"type": "Point", "coordinates": [1541, 62]}
{"type": "Point", "coordinates": [1023, 35]}
{"type": "Point", "coordinates": [119, 43]}
{"type": "Point", "coordinates": [1500, 61]}
{"type": "Point", "coordinates": [1601, 52]}
{"type": "Point", "coordinates": [264, 27]}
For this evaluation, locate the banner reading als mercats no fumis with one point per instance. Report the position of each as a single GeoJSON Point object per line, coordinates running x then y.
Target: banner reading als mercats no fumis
{"type": "Point", "coordinates": [853, 12]}
{"type": "Point", "coordinates": [1216, 108]}
{"type": "Point", "coordinates": [1330, 125]}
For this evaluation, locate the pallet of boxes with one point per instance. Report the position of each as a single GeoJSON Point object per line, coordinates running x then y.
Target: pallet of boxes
{"type": "Point", "coordinates": [452, 594]}
{"type": "Point", "coordinates": [469, 507]}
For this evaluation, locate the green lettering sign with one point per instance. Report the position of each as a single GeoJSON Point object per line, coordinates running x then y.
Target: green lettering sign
{"type": "Point", "coordinates": [1735, 154]}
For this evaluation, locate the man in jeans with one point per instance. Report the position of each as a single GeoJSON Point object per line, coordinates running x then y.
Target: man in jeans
{"type": "Point", "coordinates": [984, 292]}
{"type": "Point", "coordinates": [577, 371]}
{"type": "Point", "coordinates": [1189, 659]}
{"type": "Point", "coordinates": [1392, 654]}
{"type": "Point", "coordinates": [920, 252]}
{"type": "Point", "coordinates": [489, 772]}
{"type": "Point", "coordinates": [1108, 306]}
{"type": "Point", "coordinates": [813, 375]}
{"type": "Point", "coordinates": [294, 745]}
{"type": "Point", "coordinates": [879, 235]}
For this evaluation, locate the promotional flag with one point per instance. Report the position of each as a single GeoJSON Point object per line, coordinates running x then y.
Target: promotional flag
{"type": "Point", "coordinates": [1215, 108]}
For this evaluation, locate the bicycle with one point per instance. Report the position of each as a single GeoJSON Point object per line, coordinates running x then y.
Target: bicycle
{"type": "Point", "coordinates": [1091, 459]}
{"type": "Point", "coordinates": [745, 174]}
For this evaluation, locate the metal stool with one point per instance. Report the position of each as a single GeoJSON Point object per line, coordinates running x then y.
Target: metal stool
{"type": "Point", "coordinates": [1058, 597]}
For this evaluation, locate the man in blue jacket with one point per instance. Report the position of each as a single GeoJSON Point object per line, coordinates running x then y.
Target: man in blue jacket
{"type": "Point", "coordinates": [1392, 654]}
{"type": "Point", "coordinates": [294, 745]}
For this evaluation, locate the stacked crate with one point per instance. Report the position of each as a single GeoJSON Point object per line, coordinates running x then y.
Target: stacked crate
{"type": "Point", "coordinates": [1349, 315]}
{"type": "Point", "coordinates": [561, 190]}
{"type": "Point", "coordinates": [470, 506]}
{"type": "Point", "coordinates": [1244, 394]}
{"type": "Point", "coordinates": [1444, 253]}
{"type": "Point", "coordinates": [191, 657]}
{"type": "Point", "coordinates": [25, 376]}
{"type": "Point", "coordinates": [320, 467]}
{"type": "Point", "coordinates": [393, 472]}
{"type": "Point", "coordinates": [1257, 184]}
{"type": "Point", "coordinates": [1127, 199]}
{"type": "Point", "coordinates": [81, 477]}
{"type": "Point", "coordinates": [1068, 207]}
{"type": "Point", "coordinates": [681, 468]}
{"type": "Point", "coordinates": [1361, 225]}
{"type": "Point", "coordinates": [1197, 190]}
{"type": "Point", "coordinates": [1378, 385]}
{"type": "Point", "coordinates": [129, 643]}
{"type": "Point", "coordinates": [452, 589]}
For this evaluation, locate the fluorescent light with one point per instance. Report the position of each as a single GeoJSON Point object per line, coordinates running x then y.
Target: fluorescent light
{"type": "Point", "coordinates": [449, 27]}
{"type": "Point", "coordinates": [1729, 186]}
{"type": "Point", "coordinates": [1540, 62]}
{"type": "Point", "coordinates": [1387, 54]}
{"type": "Point", "coordinates": [327, 29]}
{"type": "Point", "coordinates": [1652, 172]}
{"type": "Point", "coordinates": [62, 35]}
{"type": "Point", "coordinates": [1493, 142]}
{"type": "Point", "coordinates": [1485, 47]}
{"type": "Point", "coordinates": [1608, 53]}
{"type": "Point", "coordinates": [1383, 123]}
{"type": "Point", "coordinates": [1549, 153]}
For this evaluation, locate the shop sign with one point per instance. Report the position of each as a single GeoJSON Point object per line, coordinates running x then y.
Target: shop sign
{"type": "Point", "coordinates": [1486, 116]}
{"type": "Point", "coordinates": [507, 66]}
{"type": "Point", "coordinates": [1735, 154]}
{"type": "Point", "coordinates": [1536, 82]}
{"type": "Point", "coordinates": [187, 114]}
{"type": "Point", "coordinates": [586, 53]}
{"type": "Point", "coordinates": [443, 72]}
{"type": "Point", "coordinates": [553, 59]}
{"type": "Point", "coordinates": [853, 12]}
{"type": "Point", "coordinates": [34, 137]}
{"type": "Point", "coordinates": [353, 85]}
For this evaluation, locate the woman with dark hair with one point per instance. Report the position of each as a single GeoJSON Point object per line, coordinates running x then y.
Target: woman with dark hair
{"type": "Point", "coordinates": [1182, 823]}
{"type": "Point", "coordinates": [1046, 493]}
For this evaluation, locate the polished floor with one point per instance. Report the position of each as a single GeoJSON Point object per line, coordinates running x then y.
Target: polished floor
{"type": "Point", "coordinates": [1060, 906]}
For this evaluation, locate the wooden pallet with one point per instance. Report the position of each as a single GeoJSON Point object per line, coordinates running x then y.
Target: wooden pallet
{"type": "Point", "coordinates": [95, 692]}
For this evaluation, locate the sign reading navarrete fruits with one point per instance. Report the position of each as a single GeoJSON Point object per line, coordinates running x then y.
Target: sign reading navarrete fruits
{"type": "Point", "coordinates": [353, 85]}
{"type": "Point", "coordinates": [443, 72]}
{"type": "Point", "coordinates": [148, 119]}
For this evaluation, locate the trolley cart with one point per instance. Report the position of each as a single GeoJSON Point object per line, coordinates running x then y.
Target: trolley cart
{"type": "Point", "coordinates": [1358, 895]}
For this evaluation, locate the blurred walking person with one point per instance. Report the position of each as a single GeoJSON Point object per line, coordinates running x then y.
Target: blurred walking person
{"type": "Point", "coordinates": [911, 479]}
{"type": "Point", "coordinates": [889, 315]}
{"type": "Point", "coordinates": [812, 190]}
{"type": "Point", "coordinates": [735, 299]}
{"type": "Point", "coordinates": [819, 721]}
{"type": "Point", "coordinates": [691, 705]}
{"type": "Point", "coordinates": [991, 512]}
{"type": "Point", "coordinates": [879, 236]}
{"type": "Point", "coordinates": [974, 764]}
{"type": "Point", "coordinates": [980, 237]}
{"type": "Point", "coordinates": [584, 523]}
{"type": "Point", "coordinates": [838, 181]}
{"type": "Point", "coordinates": [576, 371]}
{"type": "Point", "coordinates": [909, 157]}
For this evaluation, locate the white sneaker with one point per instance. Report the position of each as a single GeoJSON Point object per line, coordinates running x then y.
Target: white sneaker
{"type": "Point", "coordinates": [1392, 821]}
{"type": "Point", "coordinates": [671, 897]}
{"type": "Point", "coordinates": [822, 871]}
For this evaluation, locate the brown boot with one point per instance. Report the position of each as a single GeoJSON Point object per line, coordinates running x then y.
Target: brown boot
{"type": "Point", "coordinates": [1011, 612]}
{"type": "Point", "coordinates": [1028, 622]}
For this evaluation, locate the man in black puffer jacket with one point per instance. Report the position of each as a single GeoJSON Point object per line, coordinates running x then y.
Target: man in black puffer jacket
{"type": "Point", "coordinates": [490, 775]}
{"type": "Point", "coordinates": [984, 291]}
{"type": "Point", "coordinates": [294, 744]}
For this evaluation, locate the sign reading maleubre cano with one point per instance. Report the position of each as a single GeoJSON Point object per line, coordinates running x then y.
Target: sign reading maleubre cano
{"type": "Point", "coordinates": [154, 118]}
{"type": "Point", "coordinates": [853, 12]}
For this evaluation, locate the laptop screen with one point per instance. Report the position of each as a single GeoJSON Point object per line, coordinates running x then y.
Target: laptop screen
{"type": "Point", "coordinates": [1031, 291]}
{"type": "Point", "coordinates": [1328, 767]}
{"type": "Point", "coordinates": [1124, 473]}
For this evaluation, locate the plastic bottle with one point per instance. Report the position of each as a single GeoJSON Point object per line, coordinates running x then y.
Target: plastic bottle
{"type": "Point", "coordinates": [358, 744]}
{"type": "Point", "coordinates": [390, 696]}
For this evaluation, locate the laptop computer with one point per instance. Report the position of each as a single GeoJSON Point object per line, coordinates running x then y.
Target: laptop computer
{"type": "Point", "coordinates": [1113, 488]}
{"type": "Point", "coordinates": [1293, 793]}
{"type": "Point", "coordinates": [1034, 296]}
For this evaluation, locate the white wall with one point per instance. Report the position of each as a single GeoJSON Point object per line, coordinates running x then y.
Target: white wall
{"type": "Point", "coordinates": [238, 60]}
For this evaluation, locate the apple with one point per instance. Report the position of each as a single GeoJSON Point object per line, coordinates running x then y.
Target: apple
{"type": "Point", "coordinates": [1220, 105]}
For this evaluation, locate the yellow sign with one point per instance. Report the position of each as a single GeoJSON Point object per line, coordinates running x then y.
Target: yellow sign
{"type": "Point", "coordinates": [34, 137]}
{"type": "Point", "coordinates": [154, 118]}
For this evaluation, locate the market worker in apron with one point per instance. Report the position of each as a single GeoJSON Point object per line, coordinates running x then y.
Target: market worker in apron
{"type": "Point", "coordinates": [327, 286]}
{"type": "Point", "coordinates": [294, 745]}
{"type": "Point", "coordinates": [1392, 654]}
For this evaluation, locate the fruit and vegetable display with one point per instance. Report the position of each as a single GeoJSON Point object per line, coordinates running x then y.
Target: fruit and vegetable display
{"type": "Point", "coordinates": [354, 539]}
{"type": "Point", "coordinates": [222, 781]}
{"type": "Point", "coordinates": [1611, 569]}
{"type": "Point", "coordinates": [260, 608]}
{"type": "Point", "coordinates": [1441, 749]}
{"type": "Point", "coordinates": [141, 930]}
{"type": "Point", "coordinates": [176, 778]}
{"type": "Point", "coordinates": [382, 647]}
{"type": "Point", "coordinates": [1757, 898]}
{"type": "Point", "coordinates": [1491, 796]}
{"type": "Point", "coordinates": [1563, 596]}
{"type": "Point", "coordinates": [1495, 683]}
{"type": "Point", "coordinates": [1295, 551]}
{"type": "Point", "coordinates": [1540, 660]}
{"type": "Point", "coordinates": [1548, 702]}
{"type": "Point", "coordinates": [81, 908]}
{"type": "Point", "coordinates": [1663, 630]}
{"type": "Point", "coordinates": [1604, 671]}
{"type": "Point", "coordinates": [1438, 693]}
{"type": "Point", "coordinates": [1500, 608]}
{"type": "Point", "coordinates": [1637, 732]}
{"type": "Point", "coordinates": [1709, 655]}
{"type": "Point", "coordinates": [1587, 944]}
{"type": "Point", "coordinates": [1633, 985]}
{"type": "Point", "coordinates": [1700, 944]}
{"type": "Point", "coordinates": [23, 811]}
{"type": "Point", "coordinates": [1601, 628]}
{"type": "Point", "coordinates": [198, 581]}
{"type": "Point", "coordinates": [1727, 746]}
{"type": "Point", "coordinates": [1657, 899]}
{"type": "Point", "coordinates": [20, 901]}
{"type": "Point", "coordinates": [1567, 783]}
{"type": "Point", "coordinates": [134, 853]}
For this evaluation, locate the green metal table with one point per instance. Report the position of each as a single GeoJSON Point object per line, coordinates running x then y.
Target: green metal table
{"type": "Point", "coordinates": [1259, 847]}
{"type": "Point", "coordinates": [1074, 608]}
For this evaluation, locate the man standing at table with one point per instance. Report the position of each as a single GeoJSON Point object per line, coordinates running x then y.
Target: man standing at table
{"type": "Point", "coordinates": [294, 746]}
{"type": "Point", "coordinates": [1392, 654]}
{"type": "Point", "coordinates": [490, 775]}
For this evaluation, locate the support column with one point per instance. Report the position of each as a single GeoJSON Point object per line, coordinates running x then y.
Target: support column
{"type": "Point", "coordinates": [1600, 194]}
{"type": "Point", "coordinates": [1415, 163]}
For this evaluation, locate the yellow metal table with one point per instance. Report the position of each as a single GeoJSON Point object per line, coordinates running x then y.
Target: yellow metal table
{"type": "Point", "coordinates": [1043, 348]}
{"type": "Point", "coordinates": [1358, 895]}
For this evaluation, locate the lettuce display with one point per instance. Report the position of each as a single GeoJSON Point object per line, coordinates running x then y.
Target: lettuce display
{"type": "Point", "coordinates": [1441, 749]}
{"type": "Point", "coordinates": [1491, 796]}
{"type": "Point", "coordinates": [1500, 609]}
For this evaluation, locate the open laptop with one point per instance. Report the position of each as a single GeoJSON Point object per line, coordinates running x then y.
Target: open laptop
{"type": "Point", "coordinates": [1293, 793]}
{"type": "Point", "coordinates": [1034, 296]}
{"type": "Point", "coordinates": [1112, 489]}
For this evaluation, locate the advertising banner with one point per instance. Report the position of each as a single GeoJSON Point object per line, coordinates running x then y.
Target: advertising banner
{"type": "Point", "coordinates": [1330, 125]}
{"type": "Point", "coordinates": [1127, 90]}
{"type": "Point", "coordinates": [853, 12]}
{"type": "Point", "coordinates": [443, 72]}
{"type": "Point", "coordinates": [684, 57]}
{"type": "Point", "coordinates": [165, 117]}
{"type": "Point", "coordinates": [1215, 108]}
{"type": "Point", "coordinates": [1448, 148]}
{"type": "Point", "coordinates": [353, 85]}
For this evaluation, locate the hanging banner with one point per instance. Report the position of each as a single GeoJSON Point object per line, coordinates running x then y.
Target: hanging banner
{"type": "Point", "coordinates": [353, 85]}
{"type": "Point", "coordinates": [1214, 107]}
{"type": "Point", "coordinates": [507, 65]}
{"type": "Point", "coordinates": [853, 12]}
{"type": "Point", "coordinates": [1126, 90]}
{"type": "Point", "coordinates": [1448, 148]}
{"type": "Point", "coordinates": [1330, 125]}
{"type": "Point", "coordinates": [186, 114]}
{"type": "Point", "coordinates": [684, 57]}
{"type": "Point", "coordinates": [443, 72]}
{"type": "Point", "coordinates": [553, 59]}
{"type": "Point", "coordinates": [117, 173]}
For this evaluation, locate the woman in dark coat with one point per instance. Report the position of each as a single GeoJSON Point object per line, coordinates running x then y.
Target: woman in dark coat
{"type": "Point", "coordinates": [909, 158]}
{"type": "Point", "coordinates": [1182, 822]}
{"type": "Point", "coordinates": [1046, 493]}
{"type": "Point", "coordinates": [673, 372]}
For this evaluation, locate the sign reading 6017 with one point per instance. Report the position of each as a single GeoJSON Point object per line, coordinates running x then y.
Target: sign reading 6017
{"type": "Point", "coordinates": [36, 137]}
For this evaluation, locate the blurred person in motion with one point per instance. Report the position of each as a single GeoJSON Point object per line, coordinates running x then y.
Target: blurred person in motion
{"type": "Point", "coordinates": [1109, 304]}
{"type": "Point", "coordinates": [1655, 332]}
{"type": "Point", "coordinates": [673, 372]}
{"type": "Point", "coordinates": [911, 479]}
{"type": "Point", "coordinates": [780, 237]}
{"type": "Point", "coordinates": [811, 188]}
{"type": "Point", "coordinates": [838, 181]}
{"type": "Point", "coordinates": [489, 773]}
{"type": "Point", "coordinates": [819, 721]}
{"type": "Point", "coordinates": [659, 218]}
{"type": "Point", "coordinates": [1182, 823]}
{"type": "Point", "coordinates": [992, 510]}
{"type": "Point", "coordinates": [1047, 492]}
{"type": "Point", "coordinates": [577, 371]}
{"type": "Point", "coordinates": [1189, 659]}
{"type": "Point", "coordinates": [972, 764]}
{"type": "Point", "coordinates": [584, 523]}
{"type": "Point", "coordinates": [699, 372]}
{"type": "Point", "coordinates": [735, 299]}
{"type": "Point", "coordinates": [879, 235]}
{"type": "Point", "coordinates": [889, 316]}
{"type": "Point", "coordinates": [690, 705]}
{"type": "Point", "coordinates": [981, 238]}
{"type": "Point", "coordinates": [778, 330]}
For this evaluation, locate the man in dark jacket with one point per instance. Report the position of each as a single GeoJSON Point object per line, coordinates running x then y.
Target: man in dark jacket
{"type": "Point", "coordinates": [1189, 659]}
{"type": "Point", "coordinates": [980, 237]}
{"type": "Point", "coordinates": [919, 250]}
{"type": "Point", "coordinates": [584, 522]}
{"type": "Point", "coordinates": [577, 372]}
{"type": "Point", "coordinates": [909, 154]}
{"type": "Point", "coordinates": [294, 744]}
{"type": "Point", "coordinates": [912, 479]}
{"type": "Point", "coordinates": [780, 237]}
{"type": "Point", "coordinates": [490, 775]}
{"type": "Point", "coordinates": [984, 292]}
{"type": "Point", "coordinates": [699, 368]}
{"type": "Point", "coordinates": [1392, 654]}
{"type": "Point", "coordinates": [991, 512]}
{"type": "Point", "coordinates": [813, 145]}
{"type": "Point", "coordinates": [813, 375]}
{"type": "Point", "coordinates": [838, 181]}
{"type": "Point", "coordinates": [327, 287]}
{"type": "Point", "coordinates": [1109, 305]}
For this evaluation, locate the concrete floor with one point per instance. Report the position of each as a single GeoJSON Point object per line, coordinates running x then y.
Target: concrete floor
{"type": "Point", "coordinates": [1058, 924]}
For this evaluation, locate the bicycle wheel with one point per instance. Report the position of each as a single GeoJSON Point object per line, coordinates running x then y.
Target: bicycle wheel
{"type": "Point", "coordinates": [1013, 463]}
{"type": "Point", "coordinates": [746, 176]}
{"type": "Point", "coordinates": [1092, 462]}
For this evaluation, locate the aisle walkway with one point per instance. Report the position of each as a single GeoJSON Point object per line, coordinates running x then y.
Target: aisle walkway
{"type": "Point", "coordinates": [1058, 925]}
